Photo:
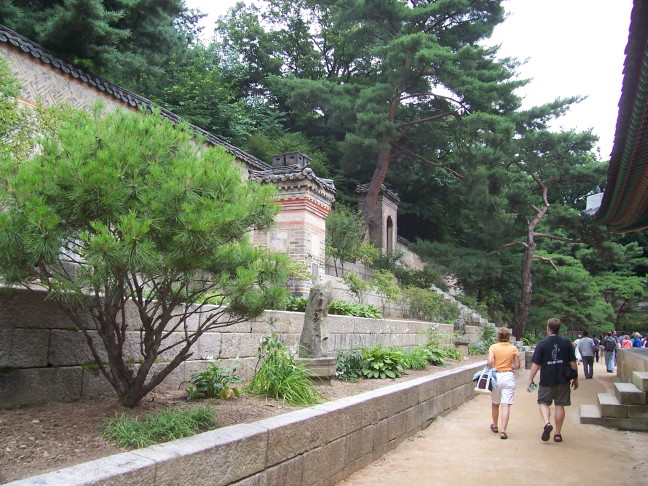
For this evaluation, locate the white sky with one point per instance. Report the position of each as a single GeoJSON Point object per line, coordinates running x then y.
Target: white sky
{"type": "Point", "coordinates": [572, 47]}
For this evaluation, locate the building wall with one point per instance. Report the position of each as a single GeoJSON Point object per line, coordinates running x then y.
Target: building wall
{"type": "Point", "coordinates": [42, 83]}
{"type": "Point", "coordinates": [386, 209]}
{"type": "Point", "coordinates": [301, 227]}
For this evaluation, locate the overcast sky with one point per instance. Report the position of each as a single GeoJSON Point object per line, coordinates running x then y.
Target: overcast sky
{"type": "Point", "coordinates": [572, 47]}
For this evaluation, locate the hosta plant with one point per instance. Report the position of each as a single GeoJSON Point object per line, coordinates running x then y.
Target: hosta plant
{"type": "Point", "coordinates": [379, 362]}
{"type": "Point", "coordinates": [214, 382]}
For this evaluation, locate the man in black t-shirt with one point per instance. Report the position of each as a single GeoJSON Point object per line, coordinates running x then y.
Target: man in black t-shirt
{"type": "Point", "coordinates": [554, 356]}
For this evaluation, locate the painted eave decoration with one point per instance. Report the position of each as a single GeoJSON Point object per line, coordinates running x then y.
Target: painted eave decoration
{"type": "Point", "coordinates": [624, 207]}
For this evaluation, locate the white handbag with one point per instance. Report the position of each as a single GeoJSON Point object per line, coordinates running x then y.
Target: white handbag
{"type": "Point", "coordinates": [484, 382]}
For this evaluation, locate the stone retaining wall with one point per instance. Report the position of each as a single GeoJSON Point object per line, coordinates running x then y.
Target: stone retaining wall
{"type": "Point", "coordinates": [318, 446]}
{"type": "Point", "coordinates": [44, 358]}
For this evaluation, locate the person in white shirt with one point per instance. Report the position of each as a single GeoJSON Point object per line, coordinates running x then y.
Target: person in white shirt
{"type": "Point", "coordinates": [586, 348]}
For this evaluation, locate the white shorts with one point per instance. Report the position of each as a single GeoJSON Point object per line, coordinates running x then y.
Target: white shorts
{"type": "Point", "coordinates": [505, 388]}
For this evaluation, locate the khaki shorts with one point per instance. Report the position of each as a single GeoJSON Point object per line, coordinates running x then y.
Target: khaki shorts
{"type": "Point", "coordinates": [560, 394]}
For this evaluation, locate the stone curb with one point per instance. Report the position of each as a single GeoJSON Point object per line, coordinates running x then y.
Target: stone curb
{"type": "Point", "coordinates": [320, 445]}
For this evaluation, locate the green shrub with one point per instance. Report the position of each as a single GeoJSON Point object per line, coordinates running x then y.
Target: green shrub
{"type": "Point", "coordinates": [437, 338]}
{"type": "Point", "coordinates": [477, 349]}
{"type": "Point", "coordinates": [422, 279]}
{"type": "Point", "coordinates": [417, 359]}
{"type": "Point", "coordinates": [452, 352]}
{"type": "Point", "coordinates": [435, 355]}
{"type": "Point", "coordinates": [213, 382]}
{"type": "Point", "coordinates": [389, 261]}
{"type": "Point", "coordinates": [428, 305]}
{"type": "Point", "coordinates": [487, 337]}
{"type": "Point", "coordinates": [343, 308]}
{"type": "Point", "coordinates": [278, 375]}
{"type": "Point", "coordinates": [349, 365]}
{"type": "Point", "coordinates": [356, 285]}
{"type": "Point", "coordinates": [338, 307]}
{"type": "Point", "coordinates": [379, 362]}
{"type": "Point", "coordinates": [163, 426]}
{"type": "Point", "coordinates": [385, 285]}
{"type": "Point", "coordinates": [296, 304]}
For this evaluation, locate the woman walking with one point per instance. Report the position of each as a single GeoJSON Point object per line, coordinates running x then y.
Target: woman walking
{"type": "Point", "coordinates": [505, 358]}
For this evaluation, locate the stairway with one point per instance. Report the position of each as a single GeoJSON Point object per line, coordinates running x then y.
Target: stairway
{"type": "Point", "coordinates": [468, 316]}
{"type": "Point", "coordinates": [626, 409]}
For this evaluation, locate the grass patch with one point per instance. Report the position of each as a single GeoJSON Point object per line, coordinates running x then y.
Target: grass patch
{"type": "Point", "coordinates": [279, 376]}
{"type": "Point", "coordinates": [157, 427]}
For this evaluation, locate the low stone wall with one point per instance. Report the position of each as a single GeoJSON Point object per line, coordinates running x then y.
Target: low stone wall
{"type": "Point", "coordinates": [43, 357]}
{"type": "Point", "coordinates": [630, 360]}
{"type": "Point", "coordinates": [318, 446]}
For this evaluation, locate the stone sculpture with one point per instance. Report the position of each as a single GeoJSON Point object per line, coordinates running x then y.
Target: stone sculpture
{"type": "Point", "coordinates": [314, 340]}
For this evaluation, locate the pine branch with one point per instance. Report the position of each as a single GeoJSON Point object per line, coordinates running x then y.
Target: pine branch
{"type": "Point", "coordinates": [429, 118]}
{"type": "Point", "coordinates": [420, 158]}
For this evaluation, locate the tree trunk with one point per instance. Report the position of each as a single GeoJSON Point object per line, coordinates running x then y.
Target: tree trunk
{"type": "Point", "coordinates": [524, 305]}
{"type": "Point", "coordinates": [382, 165]}
{"type": "Point", "coordinates": [377, 181]}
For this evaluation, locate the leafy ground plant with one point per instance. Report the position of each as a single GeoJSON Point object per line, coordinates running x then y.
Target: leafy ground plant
{"type": "Point", "coordinates": [379, 362]}
{"type": "Point", "coordinates": [163, 426]}
{"type": "Point", "coordinates": [214, 382]}
{"type": "Point", "coordinates": [349, 365]}
{"type": "Point", "coordinates": [279, 376]}
{"type": "Point", "coordinates": [417, 359]}
{"type": "Point", "coordinates": [343, 308]}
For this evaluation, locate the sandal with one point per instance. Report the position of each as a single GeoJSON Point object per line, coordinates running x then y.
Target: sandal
{"type": "Point", "coordinates": [494, 428]}
{"type": "Point", "coordinates": [557, 438]}
{"type": "Point", "coordinates": [546, 432]}
{"type": "Point", "coordinates": [503, 436]}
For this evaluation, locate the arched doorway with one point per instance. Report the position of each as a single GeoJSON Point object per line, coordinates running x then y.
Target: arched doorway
{"type": "Point", "coordinates": [389, 237]}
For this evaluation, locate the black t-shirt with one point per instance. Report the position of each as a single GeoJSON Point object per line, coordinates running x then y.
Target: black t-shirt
{"type": "Point", "coordinates": [553, 354]}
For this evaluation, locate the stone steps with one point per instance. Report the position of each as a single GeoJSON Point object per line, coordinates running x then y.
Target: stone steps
{"type": "Point", "coordinates": [626, 409]}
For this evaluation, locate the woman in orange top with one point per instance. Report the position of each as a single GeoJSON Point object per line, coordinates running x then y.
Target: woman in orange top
{"type": "Point", "coordinates": [505, 358]}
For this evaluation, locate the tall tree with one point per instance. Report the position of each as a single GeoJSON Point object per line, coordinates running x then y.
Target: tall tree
{"type": "Point", "coordinates": [126, 209]}
{"type": "Point", "coordinates": [625, 294]}
{"type": "Point", "coordinates": [374, 73]}
{"type": "Point", "coordinates": [128, 42]}
{"type": "Point", "coordinates": [550, 160]}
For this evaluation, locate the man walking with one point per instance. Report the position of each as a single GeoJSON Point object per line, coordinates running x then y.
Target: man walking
{"type": "Point", "coordinates": [609, 349]}
{"type": "Point", "coordinates": [554, 356]}
{"type": "Point", "coordinates": [587, 350]}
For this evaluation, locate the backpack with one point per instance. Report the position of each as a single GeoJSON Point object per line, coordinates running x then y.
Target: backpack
{"type": "Point", "coordinates": [609, 344]}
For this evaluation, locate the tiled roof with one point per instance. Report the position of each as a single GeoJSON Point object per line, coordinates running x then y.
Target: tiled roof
{"type": "Point", "coordinates": [624, 207]}
{"type": "Point", "coordinates": [364, 189]}
{"type": "Point", "coordinates": [291, 173]}
{"type": "Point", "coordinates": [264, 172]}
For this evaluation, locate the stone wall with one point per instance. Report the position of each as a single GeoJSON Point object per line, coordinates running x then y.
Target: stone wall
{"type": "Point", "coordinates": [43, 357]}
{"type": "Point", "coordinates": [630, 360]}
{"type": "Point", "coordinates": [318, 446]}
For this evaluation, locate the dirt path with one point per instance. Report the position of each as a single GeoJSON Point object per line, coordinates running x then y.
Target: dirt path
{"type": "Point", "coordinates": [459, 449]}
